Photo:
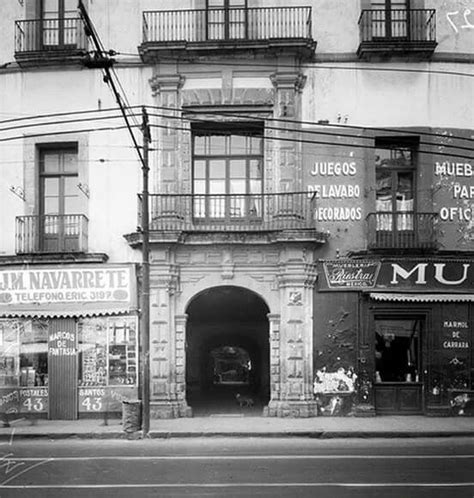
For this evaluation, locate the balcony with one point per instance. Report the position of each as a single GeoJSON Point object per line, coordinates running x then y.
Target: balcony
{"type": "Point", "coordinates": [42, 234]}
{"type": "Point", "coordinates": [226, 30]}
{"type": "Point", "coordinates": [263, 217]}
{"type": "Point", "coordinates": [388, 33]}
{"type": "Point", "coordinates": [402, 230]}
{"type": "Point", "coordinates": [49, 41]}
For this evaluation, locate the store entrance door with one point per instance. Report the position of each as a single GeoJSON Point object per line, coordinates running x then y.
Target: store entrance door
{"type": "Point", "coordinates": [398, 359]}
{"type": "Point", "coordinates": [62, 366]}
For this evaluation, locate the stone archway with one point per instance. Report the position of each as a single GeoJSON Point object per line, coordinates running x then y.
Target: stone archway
{"type": "Point", "coordinates": [227, 351]}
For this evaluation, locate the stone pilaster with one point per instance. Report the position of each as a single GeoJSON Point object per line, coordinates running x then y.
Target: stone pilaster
{"type": "Point", "coordinates": [296, 280]}
{"type": "Point", "coordinates": [287, 151]}
{"type": "Point", "coordinates": [166, 176]}
{"type": "Point", "coordinates": [167, 399]}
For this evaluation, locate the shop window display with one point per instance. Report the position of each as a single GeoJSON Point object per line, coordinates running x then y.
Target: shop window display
{"type": "Point", "coordinates": [107, 351]}
{"type": "Point", "coordinates": [23, 353]}
{"type": "Point", "coordinates": [397, 355]}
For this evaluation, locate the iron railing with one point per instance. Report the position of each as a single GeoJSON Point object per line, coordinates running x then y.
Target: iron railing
{"type": "Point", "coordinates": [49, 35]}
{"type": "Point", "coordinates": [401, 230]}
{"type": "Point", "coordinates": [418, 25]}
{"type": "Point", "coordinates": [51, 233]}
{"type": "Point", "coordinates": [227, 24]}
{"type": "Point", "coordinates": [230, 212]}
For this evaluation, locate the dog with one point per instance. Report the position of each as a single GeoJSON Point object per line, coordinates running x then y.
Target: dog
{"type": "Point", "coordinates": [244, 400]}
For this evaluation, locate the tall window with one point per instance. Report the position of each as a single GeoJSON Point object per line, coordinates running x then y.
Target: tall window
{"type": "Point", "coordinates": [59, 25]}
{"type": "Point", "coordinates": [228, 172]}
{"type": "Point", "coordinates": [226, 19]}
{"type": "Point", "coordinates": [59, 199]}
{"type": "Point", "coordinates": [395, 184]}
{"type": "Point", "coordinates": [389, 18]}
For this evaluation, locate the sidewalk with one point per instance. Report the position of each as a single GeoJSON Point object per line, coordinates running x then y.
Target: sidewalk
{"type": "Point", "coordinates": [244, 426]}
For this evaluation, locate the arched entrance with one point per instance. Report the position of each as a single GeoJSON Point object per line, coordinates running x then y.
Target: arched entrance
{"type": "Point", "coordinates": [227, 352]}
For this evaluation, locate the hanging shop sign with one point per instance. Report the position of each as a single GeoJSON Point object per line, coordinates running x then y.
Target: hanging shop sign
{"type": "Point", "coordinates": [409, 275]}
{"type": "Point", "coordinates": [351, 274]}
{"type": "Point", "coordinates": [73, 288]}
{"type": "Point", "coordinates": [421, 274]}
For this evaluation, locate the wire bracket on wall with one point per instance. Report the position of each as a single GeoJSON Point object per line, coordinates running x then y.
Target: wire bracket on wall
{"type": "Point", "coordinates": [18, 191]}
{"type": "Point", "coordinates": [84, 189]}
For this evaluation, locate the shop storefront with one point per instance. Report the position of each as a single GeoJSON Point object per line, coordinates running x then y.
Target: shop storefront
{"type": "Point", "coordinates": [68, 340]}
{"type": "Point", "coordinates": [415, 331]}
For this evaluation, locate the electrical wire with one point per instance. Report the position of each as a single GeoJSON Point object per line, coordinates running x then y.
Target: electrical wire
{"type": "Point", "coordinates": [266, 137]}
{"type": "Point", "coordinates": [316, 65]}
{"type": "Point", "coordinates": [312, 65]}
{"type": "Point", "coordinates": [242, 116]}
{"type": "Point", "coordinates": [68, 132]}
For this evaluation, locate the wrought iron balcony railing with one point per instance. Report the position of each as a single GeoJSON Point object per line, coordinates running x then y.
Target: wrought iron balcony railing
{"type": "Point", "coordinates": [418, 25]}
{"type": "Point", "coordinates": [230, 212]}
{"type": "Point", "coordinates": [49, 35]}
{"type": "Point", "coordinates": [51, 233]}
{"type": "Point", "coordinates": [251, 24]}
{"type": "Point", "coordinates": [401, 230]}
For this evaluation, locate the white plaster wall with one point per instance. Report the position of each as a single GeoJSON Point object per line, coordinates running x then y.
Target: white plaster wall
{"type": "Point", "coordinates": [10, 11]}
{"type": "Point", "coordinates": [113, 168]}
{"type": "Point", "coordinates": [390, 98]}
{"type": "Point", "coordinates": [452, 20]}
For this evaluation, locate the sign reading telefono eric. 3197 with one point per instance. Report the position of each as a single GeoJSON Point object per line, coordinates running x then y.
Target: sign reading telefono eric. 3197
{"type": "Point", "coordinates": [83, 285]}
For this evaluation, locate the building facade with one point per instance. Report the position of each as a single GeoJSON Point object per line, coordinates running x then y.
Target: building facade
{"type": "Point", "coordinates": [311, 214]}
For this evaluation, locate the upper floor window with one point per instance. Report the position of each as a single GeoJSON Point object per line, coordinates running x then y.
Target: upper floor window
{"type": "Point", "coordinates": [226, 19]}
{"type": "Point", "coordinates": [395, 183]}
{"type": "Point", "coordinates": [389, 18]}
{"type": "Point", "coordinates": [228, 171]}
{"type": "Point", "coordinates": [59, 201]}
{"type": "Point", "coordinates": [59, 22]}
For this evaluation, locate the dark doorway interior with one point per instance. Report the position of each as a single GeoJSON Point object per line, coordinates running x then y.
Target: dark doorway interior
{"type": "Point", "coordinates": [227, 352]}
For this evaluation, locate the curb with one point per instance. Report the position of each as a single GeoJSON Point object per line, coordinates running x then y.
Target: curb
{"type": "Point", "coordinates": [222, 434]}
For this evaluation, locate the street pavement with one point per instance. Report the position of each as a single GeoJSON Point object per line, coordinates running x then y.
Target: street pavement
{"type": "Point", "coordinates": [239, 425]}
{"type": "Point", "coordinates": [238, 467]}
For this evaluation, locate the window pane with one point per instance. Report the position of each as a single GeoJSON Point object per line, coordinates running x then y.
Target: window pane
{"type": "Point", "coordinates": [72, 205]}
{"type": "Point", "coordinates": [217, 144]}
{"type": "Point", "coordinates": [199, 186]}
{"type": "Point", "coordinates": [33, 353]}
{"type": "Point", "coordinates": [397, 349]}
{"type": "Point", "coordinates": [50, 162]}
{"type": "Point", "coordinates": [237, 168]}
{"type": "Point", "coordinates": [199, 169]}
{"type": "Point", "coordinates": [405, 186]}
{"type": "Point", "coordinates": [51, 186]}
{"type": "Point", "coordinates": [255, 168]}
{"type": "Point", "coordinates": [9, 353]}
{"type": "Point", "coordinates": [215, 3]}
{"type": "Point", "coordinates": [256, 143]}
{"type": "Point", "coordinates": [51, 205]}
{"type": "Point", "coordinates": [255, 186]}
{"type": "Point", "coordinates": [238, 145]}
{"type": "Point", "coordinates": [50, 8]}
{"type": "Point", "coordinates": [93, 352]}
{"type": "Point", "coordinates": [70, 162]}
{"type": "Point", "coordinates": [122, 340]}
{"type": "Point", "coordinates": [111, 342]}
{"type": "Point", "coordinates": [199, 144]}
{"type": "Point", "coordinates": [237, 186]}
{"type": "Point", "coordinates": [217, 169]}
{"type": "Point", "coordinates": [217, 187]}
{"type": "Point", "coordinates": [70, 185]}
{"type": "Point", "coordinates": [383, 185]}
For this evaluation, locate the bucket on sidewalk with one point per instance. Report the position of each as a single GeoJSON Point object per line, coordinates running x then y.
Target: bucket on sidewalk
{"type": "Point", "coordinates": [131, 415]}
